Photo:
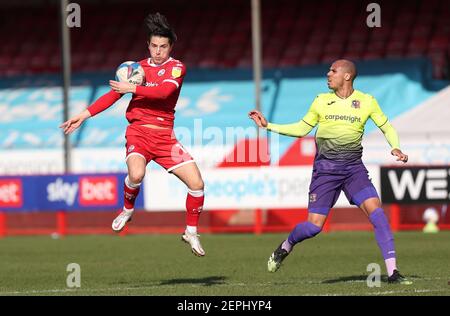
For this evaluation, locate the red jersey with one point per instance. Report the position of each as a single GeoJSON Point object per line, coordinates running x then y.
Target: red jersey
{"type": "Point", "coordinates": [152, 103]}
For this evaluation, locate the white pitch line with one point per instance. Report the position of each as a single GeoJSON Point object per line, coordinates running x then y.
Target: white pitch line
{"type": "Point", "coordinates": [379, 293]}
{"type": "Point", "coordinates": [81, 290]}
{"type": "Point", "coordinates": [76, 290]}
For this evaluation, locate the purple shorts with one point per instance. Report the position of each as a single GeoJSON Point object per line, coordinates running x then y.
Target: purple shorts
{"type": "Point", "coordinates": [326, 187]}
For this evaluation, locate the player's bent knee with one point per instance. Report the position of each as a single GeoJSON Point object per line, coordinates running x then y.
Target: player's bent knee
{"type": "Point", "coordinates": [370, 205]}
{"type": "Point", "coordinates": [197, 185]}
{"type": "Point", "coordinates": [314, 229]}
{"type": "Point", "coordinates": [317, 219]}
{"type": "Point", "coordinates": [304, 230]}
{"type": "Point", "coordinates": [136, 176]}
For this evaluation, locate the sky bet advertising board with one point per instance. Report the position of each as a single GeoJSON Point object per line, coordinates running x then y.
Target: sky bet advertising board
{"type": "Point", "coordinates": [65, 192]}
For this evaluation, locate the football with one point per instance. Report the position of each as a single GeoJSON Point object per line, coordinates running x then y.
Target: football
{"type": "Point", "coordinates": [130, 71]}
{"type": "Point", "coordinates": [430, 215]}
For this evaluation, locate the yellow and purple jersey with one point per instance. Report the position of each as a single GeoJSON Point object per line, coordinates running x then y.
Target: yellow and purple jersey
{"type": "Point", "coordinates": [340, 125]}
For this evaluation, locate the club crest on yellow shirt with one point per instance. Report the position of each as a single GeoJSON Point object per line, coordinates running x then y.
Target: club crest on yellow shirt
{"type": "Point", "coordinates": [355, 104]}
{"type": "Point", "coordinates": [176, 72]}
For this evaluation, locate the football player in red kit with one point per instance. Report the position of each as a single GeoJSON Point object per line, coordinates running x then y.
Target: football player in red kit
{"type": "Point", "coordinates": [150, 135]}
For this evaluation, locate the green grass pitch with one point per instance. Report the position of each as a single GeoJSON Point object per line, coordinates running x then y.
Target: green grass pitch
{"type": "Point", "coordinates": [235, 264]}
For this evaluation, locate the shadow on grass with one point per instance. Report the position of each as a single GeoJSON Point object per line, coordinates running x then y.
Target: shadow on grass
{"type": "Point", "coordinates": [208, 281]}
{"type": "Point", "coordinates": [360, 278]}
{"type": "Point", "coordinates": [349, 279]}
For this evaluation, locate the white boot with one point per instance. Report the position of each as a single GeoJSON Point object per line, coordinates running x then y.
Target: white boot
{"type": "Point", "coordinates": [120, 221]}
{"type": "Point", "coordinates": [193, 240]}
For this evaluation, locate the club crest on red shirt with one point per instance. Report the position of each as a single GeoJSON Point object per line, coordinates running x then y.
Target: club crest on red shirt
{"type": "Point", "coordinates": [176, 72]}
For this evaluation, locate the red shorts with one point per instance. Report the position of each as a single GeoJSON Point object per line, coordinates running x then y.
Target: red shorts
{"type": "Point", "coordinates": [159, 145]}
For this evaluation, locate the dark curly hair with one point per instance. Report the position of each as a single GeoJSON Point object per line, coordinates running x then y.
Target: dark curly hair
{"type": "Point", "coordinates": [157, 25]}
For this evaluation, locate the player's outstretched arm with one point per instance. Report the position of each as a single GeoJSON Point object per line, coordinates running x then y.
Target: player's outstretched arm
{"type": "Point", "coordinates": [400, 156]}
{"type": "Point", "coordinates": [392, 137]}
{"type": "Point", "coordinates": [258, 118]}
{"type": "Point", "coordinates": [380, 120]}
{"type": "Point", "coordinates": [73, 123]}
{"type": "Point", "coordinates": [298, 129]}
{"type": "Point", "coordinates": [101, 104]}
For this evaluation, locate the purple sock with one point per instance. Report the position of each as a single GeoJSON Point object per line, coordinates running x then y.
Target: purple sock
{"type": "Point", "coordinates": [383, 233]}
{"type": "Point", "coordinates": [303, 231]}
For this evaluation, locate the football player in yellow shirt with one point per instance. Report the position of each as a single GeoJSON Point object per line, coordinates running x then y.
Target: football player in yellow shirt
{"type": "Point", "coordinates": [341, 115]}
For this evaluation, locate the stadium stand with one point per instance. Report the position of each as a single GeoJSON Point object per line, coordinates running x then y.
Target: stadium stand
{"type": "Point", "coordinates": [295, 33]}
{"type": "Point", "coordinates": [300, 39]}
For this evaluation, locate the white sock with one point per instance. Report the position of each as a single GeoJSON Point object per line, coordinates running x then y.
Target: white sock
{"type": "Point", "coordinates": [391, 265]}
{"type": "Point", "coordinates": [287, 246]}
{"type": "Point", "coordinates": [197, 193]}
{"type": "Point", "coordinates": [130, 184]}
{"type": "Point", "coordinates": [131, 210]}
{"type": "Point", "coordinates": [191, 230]}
